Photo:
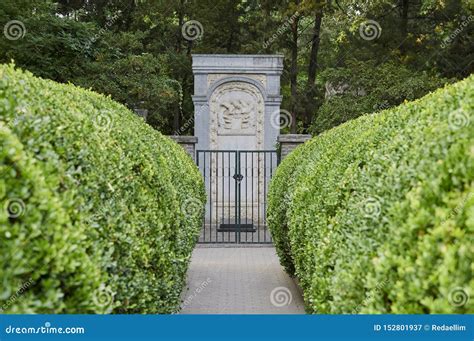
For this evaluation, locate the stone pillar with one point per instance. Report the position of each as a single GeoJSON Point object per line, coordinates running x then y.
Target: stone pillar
{"type": "Point", "coordinates": [289, 142]}
{"type": "Point", "coordinates": [187, 142]}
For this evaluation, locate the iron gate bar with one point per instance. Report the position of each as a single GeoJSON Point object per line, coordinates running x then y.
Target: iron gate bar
{"type": "Point", "coordinates": [228, 182]}
{"type": "Point", "coordinates": [237, 190]}
{"type": "Point", "coordinates": [252, 194]}
{"type": "Point", "coordinates": [204, 175]}
{"type": "Point", "coordinates": [240, 228]}
{"type": "Point", "coordinates": [264, 192]}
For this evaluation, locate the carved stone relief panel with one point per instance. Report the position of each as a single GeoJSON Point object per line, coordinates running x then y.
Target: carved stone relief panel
{"type": "Point", "coordinates": [236, 109]}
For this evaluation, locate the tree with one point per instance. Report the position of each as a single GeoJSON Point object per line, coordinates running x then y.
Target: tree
{"type": "Point", "coordinates": [96, 43]}
{"type": "Point", "coordinates": [313, 63]}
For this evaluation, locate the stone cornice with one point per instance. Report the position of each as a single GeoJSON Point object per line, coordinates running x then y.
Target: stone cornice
{"type": "Point", "coordinates": [241, 64]}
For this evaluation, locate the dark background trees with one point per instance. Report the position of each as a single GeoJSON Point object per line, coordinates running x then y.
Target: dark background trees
{"type": "Point", "coordinates": [342, 58]}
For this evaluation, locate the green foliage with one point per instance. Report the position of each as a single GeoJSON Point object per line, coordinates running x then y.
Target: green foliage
{"type": "Point", "coordinates": [122, 78]}
{"type": "Point", "coordinates": [44, 265]}
{"type": "Point", "coordinates": [279, 196]}
{"type": "Point", "coordinates": [135, 50]}
{"type": "Point", "coordinates": [92, 55]}
{"type": "Point", "coordinates": [115, 207]}
{"type": "Point", "coordinates": [368, 88]}
{"type": "Point", "coordinates": [380, 214]}
{"type": "Point", "coordinates": [52, 47]}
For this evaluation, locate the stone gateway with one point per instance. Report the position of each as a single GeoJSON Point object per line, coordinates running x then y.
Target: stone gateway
{"type": "Point", "coordinates": [237, 122]}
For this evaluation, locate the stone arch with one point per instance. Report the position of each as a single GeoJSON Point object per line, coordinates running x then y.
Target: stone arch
{"type": "Point", "coordinates": [260, 85]}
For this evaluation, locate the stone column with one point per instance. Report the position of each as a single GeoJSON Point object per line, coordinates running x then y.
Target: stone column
{"type": "Point", "coordinates": [187, 142]}
{"type": "Point", "coordinates": [289, 142]}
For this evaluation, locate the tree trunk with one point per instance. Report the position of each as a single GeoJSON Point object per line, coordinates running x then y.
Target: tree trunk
{"type": "Point", "coordinates": [294, 73]}
{"type": "Point", "coordinates": [230, 40]}
{"type": "Point", "coordinates": [404, 26]}
{"type": "Point", "coordinates": [313, 66]}
{"type": "Point", "coordinates": [179, 35]}
{"type": "Point", "coordinates": [313, 57]}
{"type": "Point", "coordinates": [128, 16]}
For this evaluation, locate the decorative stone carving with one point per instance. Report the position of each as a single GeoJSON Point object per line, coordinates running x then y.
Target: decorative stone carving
{"type": "Point", "coordinates": [237, 108]}
{"type": "Point", "coordinates": [236, 115]}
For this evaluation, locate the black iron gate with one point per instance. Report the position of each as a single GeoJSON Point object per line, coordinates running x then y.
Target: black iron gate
{"type": "Point", "coordinates": [237, 187]}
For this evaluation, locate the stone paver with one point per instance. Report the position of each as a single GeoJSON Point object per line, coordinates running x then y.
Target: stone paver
{"type": "Point", "coordinates": [244, 280]}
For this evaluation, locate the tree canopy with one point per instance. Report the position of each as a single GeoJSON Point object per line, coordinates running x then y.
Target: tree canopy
{"type": "Point", "coordinates": [342, 58]}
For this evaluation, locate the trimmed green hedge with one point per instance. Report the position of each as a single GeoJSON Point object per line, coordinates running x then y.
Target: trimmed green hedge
{"type": "Point", "coordinates": [112, 208]}
{"type": "Point", "coordinates": [377, 215]}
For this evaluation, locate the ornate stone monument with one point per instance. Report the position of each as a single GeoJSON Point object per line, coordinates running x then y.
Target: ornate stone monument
{"type": "Point", "coordinates": [237, 122]}
{"type": "Point", "coordinates": [237, 101]}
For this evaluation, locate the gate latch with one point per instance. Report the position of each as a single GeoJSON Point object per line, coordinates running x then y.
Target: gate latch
{"type": "Point", "coordinates": [238, 177]}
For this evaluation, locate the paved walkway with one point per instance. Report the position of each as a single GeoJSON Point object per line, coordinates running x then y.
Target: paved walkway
{"type": "Point", "coordinates": [242, 280]}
